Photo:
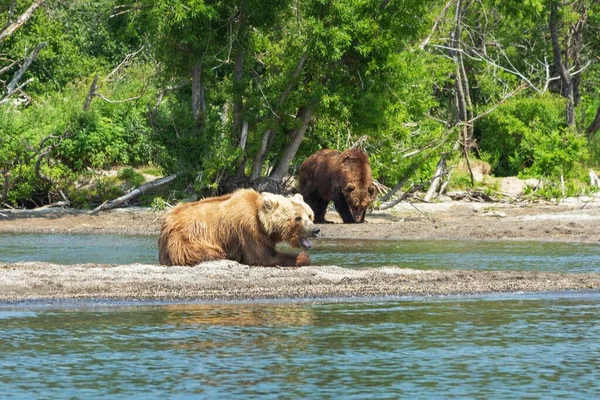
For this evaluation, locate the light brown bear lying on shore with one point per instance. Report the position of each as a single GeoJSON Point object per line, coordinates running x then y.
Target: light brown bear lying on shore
{"type": "Point", "coordinates": [244, 226]}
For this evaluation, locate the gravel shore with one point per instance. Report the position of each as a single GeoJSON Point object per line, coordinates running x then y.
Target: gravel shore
{"type": "Point", "coordinates": [577, 221]}
{"type": "Point", "coordinates": [227, 280]}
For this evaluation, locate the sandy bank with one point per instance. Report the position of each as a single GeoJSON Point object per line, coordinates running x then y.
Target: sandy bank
{"type": "Point", "coordinates": [226, 280]}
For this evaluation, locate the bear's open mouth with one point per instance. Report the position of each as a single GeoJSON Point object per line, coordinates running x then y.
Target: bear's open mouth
{"type": "Point", "coordinates": [304, 242]}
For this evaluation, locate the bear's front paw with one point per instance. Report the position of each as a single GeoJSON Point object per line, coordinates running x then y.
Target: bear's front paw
{"type": "Point", "coordinates": [302, 259]}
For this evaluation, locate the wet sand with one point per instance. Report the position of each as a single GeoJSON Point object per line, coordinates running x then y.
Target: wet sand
{"type": "Point", "coordinates": [576, 221]}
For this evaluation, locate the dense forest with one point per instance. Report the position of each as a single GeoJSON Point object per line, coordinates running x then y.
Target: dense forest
{"type": "Point", "coordinates": [230, 93]}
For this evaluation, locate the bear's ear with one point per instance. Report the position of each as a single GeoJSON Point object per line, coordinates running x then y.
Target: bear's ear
{"type": "Point", "coordinates": [349, 187]}
{"type": "Point", "coordinates": [372, 190]}
{"type": "Point", "coordinates": [298, 197]}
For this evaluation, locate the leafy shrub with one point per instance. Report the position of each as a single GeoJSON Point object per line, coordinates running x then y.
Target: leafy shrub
{"type": "Point", "coordinates": [131, 176]}
{"type": "Point", "coordinates": [528, 137]}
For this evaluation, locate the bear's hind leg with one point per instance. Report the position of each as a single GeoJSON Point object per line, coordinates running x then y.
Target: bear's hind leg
{"type": "Point", "coordinates": [195, 253]}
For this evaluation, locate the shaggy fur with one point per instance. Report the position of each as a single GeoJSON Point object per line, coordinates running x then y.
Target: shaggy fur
{"type": "Point", "coordinates": [244, 226]}
{"type": "Point", "coordinates": [344, 178]}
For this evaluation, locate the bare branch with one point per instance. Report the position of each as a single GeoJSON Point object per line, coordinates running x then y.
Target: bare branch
{"type": "Point", "coordinates": [11, 88]}
{"type": "Point", "coordinates": [17, 89]}
{"type": "Point", "coordinates": [435, 25]}
{"type": "Point", "coordinates": [12, 28]}
{"type": "Point", "coordinates": [170, 88]}
{"type": "Point", "coordinates": [256, 79]}
{"type": "Point", "coordinates": [116, 101]}
{"type": "Point", "coordinates": [492, 108]}
{"type": "Point", "coordinates": [7, 68]}
{"type": "Point", "coordinates": [125, 62]}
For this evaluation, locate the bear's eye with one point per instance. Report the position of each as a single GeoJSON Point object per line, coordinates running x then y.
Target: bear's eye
{"type": "Point", "coordinates": [298, 219]}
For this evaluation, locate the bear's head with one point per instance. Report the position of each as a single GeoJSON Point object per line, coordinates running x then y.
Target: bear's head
{"type": "Point", "coordinates": [287, 219]}
{"type": "Point", "coordinates": [356, 182]}
{"type": "Point", "coordinates": [359, 199]}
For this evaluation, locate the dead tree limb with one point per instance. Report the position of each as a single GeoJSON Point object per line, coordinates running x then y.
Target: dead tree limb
{"type": "Point", "coordinates": [13, 85]}
{"type": "Point", "coordinates": [162, 94]}
{"type": "Point", "coordinates": [43, 152]}
{"type": "Point", "coordinates": [125, 62]}
{"type": "Point", "coordinates": [12, 28]}
{"type": "Point", "coordinates": [91, 93]}
{"type": "Point", "coordinates": [403, 197]}
{"type": "Point", "coordinates": [7, 68]}
{"type": "Point", "coordinates": [133, 194]}
{"type": "Point", "coordinates": [438, 20]}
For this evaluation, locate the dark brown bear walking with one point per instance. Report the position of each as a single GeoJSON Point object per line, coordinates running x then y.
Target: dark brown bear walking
{"type": "Point", "coordinates": [344, 178]}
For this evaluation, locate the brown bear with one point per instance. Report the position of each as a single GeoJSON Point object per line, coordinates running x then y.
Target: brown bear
{"type": "Point", "coordinates": [344, 178]}
{"type": "Point", "coordinates": [244, 226]}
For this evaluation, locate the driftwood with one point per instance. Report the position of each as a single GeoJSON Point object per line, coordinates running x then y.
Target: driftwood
{"type": "Point", "coordinates": [107, 205]}
{"type": "Point", "coordinates": [475, 195]}
{"type": "Point", "coordinates": [56, 204]}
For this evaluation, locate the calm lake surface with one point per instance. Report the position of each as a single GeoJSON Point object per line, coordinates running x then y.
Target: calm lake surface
{"type": "Point", "coordinates": [497, 346]}
{"type": "Point", "coordinates": [483, 255]}
{"type": "Point", "coordinates": [514, 346]}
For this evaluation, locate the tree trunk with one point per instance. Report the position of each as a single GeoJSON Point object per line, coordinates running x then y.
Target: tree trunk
{"type": "Point", "coordinates": [238, 93]}
{"type": "Point", "coordinates": [91, 94]}
{"type": "Point", "coordinates": [6, 187]}
{"type": "Point", "coordinates": [261, 154]}
{"type": "Point", "coordinates": [462, 90]}
{"type": "Point", "coordinates": [562, 67]}
{"type": "Point", "coordinates": [241, 172]}
{"type": "Point", "coordinates": [198, 103]}
{"type": "Point", "coordinates": [574, 51]}
{"type": "Point", "coordinates": [594, 126]}
{"type": "Point", "coordinates": [269, 134]}
{"type": "Point", "coordinates": [304, 115]}
{"type": "Point", "coordinates": [440, 170]}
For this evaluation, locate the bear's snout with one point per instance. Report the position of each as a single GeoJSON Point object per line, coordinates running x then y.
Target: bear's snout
{"type": "Point", "coordinates": [316, 231]}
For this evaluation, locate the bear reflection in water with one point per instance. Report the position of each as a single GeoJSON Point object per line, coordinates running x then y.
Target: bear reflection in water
{"type": "Point", "coordinates": [244, 226]}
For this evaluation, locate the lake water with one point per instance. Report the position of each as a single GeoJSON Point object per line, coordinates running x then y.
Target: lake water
{"type": "Point", "coordinates": [513, 346]}
{"type": "Point", "coordinates": [496, 346]}
{"type": "Point", "coordinates": [483, 255]}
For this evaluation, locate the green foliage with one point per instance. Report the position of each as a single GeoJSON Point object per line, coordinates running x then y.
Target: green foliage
{"type": "Point", "coordinates": [528, 137]}
{"type": "Point", "coordinates": [554, 190]}
{"type": "Point", "coordinates": [365, 76]}
{"type": "Point", "coordinates": [101, 190]}
{"type": "Point", "coordinates": [159, 204]}
{"type": "Point", "coordinates": [131, 176]}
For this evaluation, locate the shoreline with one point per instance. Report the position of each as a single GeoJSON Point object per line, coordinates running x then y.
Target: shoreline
{"type": "Point", "coordinates": [228, 280]}
{"type": "Point", "coordinates": [577, 222]}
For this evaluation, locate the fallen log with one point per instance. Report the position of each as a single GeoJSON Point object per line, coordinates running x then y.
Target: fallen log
{"type": "Point", "coordinates": [107, 205]}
